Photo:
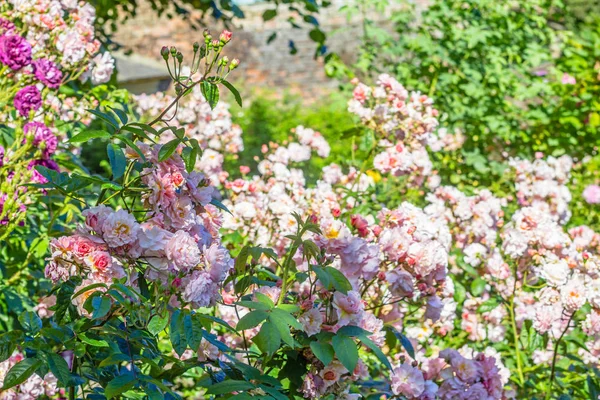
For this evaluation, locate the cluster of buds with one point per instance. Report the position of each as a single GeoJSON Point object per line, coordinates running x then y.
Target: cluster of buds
{"type": "Point", "coordinates": [210, 51]}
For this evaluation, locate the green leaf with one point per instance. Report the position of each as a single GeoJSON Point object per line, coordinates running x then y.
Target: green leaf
{"type": "Point", "coordinates": [254, 305]}
{"type": "Point", "coordinates": [211, 93]}
{"type": "Point", "coordinates": [20, 372]}
{"type": "Point", "coordinates": [269, 15]}
{"type": "Point", "coordinates": [375, 349]}
{"type": "Point", "coordinates": [119, 385]}
{"type": "Point", "coordinates": [217, 203]}
{"type": "Point", "coordinates": [317, 35]}
{"type": "Point", "coordinates": [286, 317]}
{"type": "Point", "coordinates": [92, 342]}
{"type": "Point", "coordinates": [117, 160]}
{"type": "Point", "coordinates": [177, 334]}
{"type": "Point", "coordinates": [251, 320]}
{"type": "Point", "coordinates": [229, 386]}
{"type": "Point", "coordinates": [346, 351]}
{"type": "Point", "coordinates": [268, 339]}
{"type": "Point", "coordinates": [340, 282]}
{"type": "Point", "coordinates": [234, 91]}
{"type": "Point", "coordinates": [477, 286]}
{"type": "Point", "coordinates": [30, 322]}
{"type": "Point", "coordinates": [264, 300]}
{"type": "Point", "coordinates": [407, 346]}
{"type": "Point", "coordinates": [109, 119]}
{"type": "Point", "coordinates": [8, 343]}
{"type": "Point", "coordinates": [284, 330]}
{"type": "Point", "coordinates": [241, 260]}
{"type": "Point", "coordinates": [488, 305]}
{"type": "Point", "coordinates": [59, 368]}
{"type": "Point", "coordinates": [189, 156]}
{"type": "Point", "coordinates": [168, 149]}
{"type": "Point", "coordinates": [193, 331]}
{"type": "Point", "coordinates": [87, 135]}
{"type": "Point", "coordinates": [323, 351]}
{"type": "Point", "coordinates": [115, 358]}
{"type": "Point", "coordinates": [158, 324]}
{"type": "Point", "coordinates": [101, 306]}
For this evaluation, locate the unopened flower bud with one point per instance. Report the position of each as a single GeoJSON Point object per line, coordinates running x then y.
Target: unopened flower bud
{"type": "Point", "coordinates": [206, 33]}
{"type": "Point", "coordinates": [234, 64]}
{"type": "Point", "coordinates": [225, 36]}
{"type": "Point", "coordinates": [179, 57]}
{"type": "Point", "coordinates": [164, 52]}
{"type": "Point", "coordinates": [216, 44]}
{"type": "Point", "coordinates": [196, 46]}
{"type": "Point", "coordinates": [225, 60]}
{"type": "Point", "coordinates": [173, 51]}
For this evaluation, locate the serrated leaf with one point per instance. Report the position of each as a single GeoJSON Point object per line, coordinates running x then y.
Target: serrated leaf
{"type": "Point", "coordinates": [234, 92]}
{"type": "Point", "coordinates": [30, 322]}
{"type": "Point", "coordinates": [158, 324]}
{"type": "Point", "coordinates": [229, 386]}
{"type": "Point", "coordinates": [168, 149]}
{"type": "Point", "coordinates": [323, 351]}
{"type": "Point", "coordinates": [89, 135]}
{"type": "Point", "coordinates": [20, 372]}
{"type": "Point", "coordinates": [193, 331]}
{"type": "Point", "coordinates": [286, 317]}
{"type": "Point", "coordinates": [119, 385]}
{"type": "Point", "coordinates": [264, 299]}
{"type": "Point", "coordinates": [211, 93]}
{"type": "Point", "coordinates": [117, 160]}
{"type": "Point", "coordinates": [176, 333]}
{"type": "Point", "coordinates": [346, 351]}
{"type": "Point", "coordinates": [101, 305]}
{"type": "Point", "coordinates": [251, 320]}
{"type": "Point", "coordinates": [268, 339]}
{"type": "Point", "coordinates": [59, 368]}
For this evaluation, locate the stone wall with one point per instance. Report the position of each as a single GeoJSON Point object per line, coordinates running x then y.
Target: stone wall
{"type": "Point", "coordinates": [268, 66]}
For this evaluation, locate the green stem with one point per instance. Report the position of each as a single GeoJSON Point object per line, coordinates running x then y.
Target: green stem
{"type": "Point", "coordinates": [554, 355]}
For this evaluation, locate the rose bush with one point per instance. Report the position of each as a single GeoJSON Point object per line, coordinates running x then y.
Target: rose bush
{"type": "Point", "coordinates": [172, 276]}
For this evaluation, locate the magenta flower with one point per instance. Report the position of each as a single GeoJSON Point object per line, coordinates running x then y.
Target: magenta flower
{"type": "Point", "coordinates": [27, 99]}
{"type": "Point", "coordinates": [15, 51]}
{"type": "Point", "coordinates": [42, 135]}
{"type": "Point", "coordinates": [47, 72]}
{"type": "Point", "coordinates": [6, 26]}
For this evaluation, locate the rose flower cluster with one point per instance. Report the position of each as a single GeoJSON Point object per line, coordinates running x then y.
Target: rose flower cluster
{"type": "Point", "coordinates": [177, 243]}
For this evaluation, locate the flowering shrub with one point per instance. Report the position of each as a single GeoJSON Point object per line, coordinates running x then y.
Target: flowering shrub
{"type": "Point", "coordinates": [380, 280]}
{"type": "Point", "coordinates": [43, 47]}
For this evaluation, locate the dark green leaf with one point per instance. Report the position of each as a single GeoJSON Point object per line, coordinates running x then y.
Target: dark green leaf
{"type": "Point", "coordinates": [251, 320]}
{"type": "Point", "coordinates": [234, 91]}
{"type": "Point", "coordinates": [268, 339]}
{"type": "Point", "coordinates": [117, 160]}
{"type": "Point", "coordinates": [119, 385]}
{"type": "Point", "coordinates": [87, 135]}
{"type": "Point", "coordinates": [211, 93]}
{"type": "Point", "coordinates": [20, 372]}
{"type": "Point", "coordinates": [30, 322]}
{"type": "Point", "coordinates": [59, 368]}
{"type": "Point", "coordinates": [168, 149]}
{"type": "Point", "coordinates": [323, 351]}
{"type": "Point", "coordinates": [229, 386]}
{"type": "Point", "coordinates": [346, 351]}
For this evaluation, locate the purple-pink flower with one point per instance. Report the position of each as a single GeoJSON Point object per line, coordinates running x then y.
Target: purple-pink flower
{"type": "Point", "coordinates": [15, 51]}
{"type": "Point", "coordinates": [44, 138]}
{"type": "Point", "coordinates": [6, 26]}
{"type": "Point", "coordinates": [37, 177]}
{"type": "Point", "coordinates": [47, 72]}
{"type": "Point", "coordinates": [28, 99]}
{"type": "Point", "coordinates": [591, 194]}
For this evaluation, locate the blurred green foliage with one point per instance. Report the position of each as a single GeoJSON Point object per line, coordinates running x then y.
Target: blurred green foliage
{"type": "Point", "coordinates": [517, 77]}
